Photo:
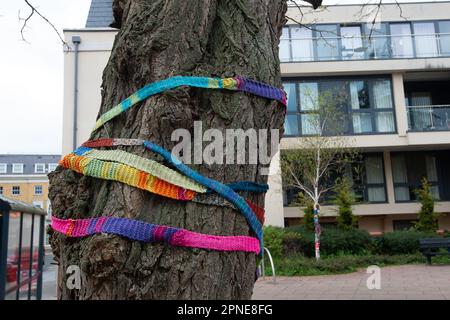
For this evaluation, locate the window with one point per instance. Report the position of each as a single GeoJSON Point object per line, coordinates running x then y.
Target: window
{"type": "Point", "coordinates": [364, 106]}
{"type": "Point", "coordinates": [374, 182]}
{"type": "Point", "coordinates": [444, 37]}
{"type": "Point", "coordinates": [408, 170]}
{"type": "Point", "coordinates": [402, 46]}
{"type": "Point", "coordinates": [17, 168]}
{"type": "Point", "coordinates": [1, 189]}
{"type": "Point", "coordinates": [302, 44]}
{"type": "Point", "coordinates": [285, 45]}
{"type": "Point", "coordinates": [327, 42]}
{"type": "Point", "coordinates": [351, 42]}
{"type": "Point", "coordinates": [15, 190]}
{"type": "Point", "coordinates": [400, 225]}
{"type": "Point", "coordinates": [425, 39]}
{"type": "Point", "coordinates": [52, 167]}
{"type": "Point", "coordinates": [38, 190]}
{"type": "Point", "coordinates": [378, 44]}
{"type": "Point", "coordinates": [39, 168]}
{"type": "Point", "coordinates": [3, 167]}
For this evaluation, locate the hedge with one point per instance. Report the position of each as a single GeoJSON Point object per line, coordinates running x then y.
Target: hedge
{"type": "Point", "coordinates": [337, 242]}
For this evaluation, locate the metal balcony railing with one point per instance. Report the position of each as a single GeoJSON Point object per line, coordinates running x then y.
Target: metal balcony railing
{"type": "Point", "coordinates": [365, 48]}
{"type": "Point", "coordinates": [429, 118]}
{"type": "Point", "coordinates": [21, 250]}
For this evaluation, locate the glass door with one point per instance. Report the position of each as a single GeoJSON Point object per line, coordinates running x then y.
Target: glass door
{"type": "Point", "coordinates": [352, 44]}
{"type": "Point", "coordinates": [401, 39]}
{"type": "Point", "coordinates": [425, 39]}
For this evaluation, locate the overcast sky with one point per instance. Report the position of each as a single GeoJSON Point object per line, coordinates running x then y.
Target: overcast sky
{"type": "Point", "coordinates": [31, 75]}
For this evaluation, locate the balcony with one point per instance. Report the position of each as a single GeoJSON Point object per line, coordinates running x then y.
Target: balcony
{"type": "Point", "coordinates": [374, 47]}
{"type": "Point", "coordinates": [429, 118]}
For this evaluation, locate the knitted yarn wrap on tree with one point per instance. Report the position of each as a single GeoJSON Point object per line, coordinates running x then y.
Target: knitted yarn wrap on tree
{"type": "Point", "coordinates": [223, 190]}
{"type": "Point", "coordinates": [93, 167]}
{"type": "Point", "coordinates": [147, 232]}
{"type": "Point", "coordinates": [235, 84]}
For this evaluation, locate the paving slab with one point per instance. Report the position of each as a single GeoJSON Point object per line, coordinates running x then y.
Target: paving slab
{"type": "Point", "coordinates": [409, 282]}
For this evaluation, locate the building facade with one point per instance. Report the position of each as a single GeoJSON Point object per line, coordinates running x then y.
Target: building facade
{"type": "Point", "coordinates": [392, 80]}
{"type": "Point", "coordinates": [24, 177]}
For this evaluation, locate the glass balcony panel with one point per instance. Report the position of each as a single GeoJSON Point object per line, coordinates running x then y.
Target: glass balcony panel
{"type": "Point", "coordinates": [429, 118]}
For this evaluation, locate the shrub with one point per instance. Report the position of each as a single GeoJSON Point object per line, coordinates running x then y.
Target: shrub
{"type": "Point", "coordinates": [401, 242]}
{"type": "Point", "coordinates": [308, 218]}
{"type": "Point", "coordinates": [276, 239]}
{"type": "Point", "coordinates": [332, 241]}
{"type": "Point", "coordinates": [427, 218]}
{"type": "Point", "coordinates": [344, 200]}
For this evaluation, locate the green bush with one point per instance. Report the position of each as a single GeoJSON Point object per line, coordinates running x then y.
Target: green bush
{"type": "Point", "coordinates": [344, 200]}
{"type": "Point", "coordinates": [277, 239]}
{"type": "Point", "coordinates": [332, 242]}
{"type": "Point", "coordinates": [400, 242]}
{"type": "Point", "coordinates": [427, 218]}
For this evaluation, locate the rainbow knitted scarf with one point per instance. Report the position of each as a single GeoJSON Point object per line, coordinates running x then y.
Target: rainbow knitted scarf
{"type": "Point", "coordinates": [149, 175]}
{"type": "Point", "coordinates": [223, 190]}
{"type": "Point", "coordinates": [235, 84]}
{"type": "Point", "coordinates": [146, 232]}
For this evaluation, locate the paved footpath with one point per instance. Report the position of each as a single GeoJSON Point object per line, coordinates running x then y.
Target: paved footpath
{"type": "Point", "coordinates": [397, 282]}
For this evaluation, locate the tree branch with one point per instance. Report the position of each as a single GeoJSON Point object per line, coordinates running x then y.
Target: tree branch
{"type": "Point", "coordinates": [35, 11]}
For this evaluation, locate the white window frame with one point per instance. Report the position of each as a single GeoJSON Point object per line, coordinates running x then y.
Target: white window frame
{"type": "Point", "coordinates": [42, 190]}
{"type": "Point", "coordinates": [52, 167]}
{"type": "Point", "coordinates": [3, 167]}
{"type": "Point", "coordinates": [12, 191]}
{"type": "Point", "coordinates": [36, 166]}
{"type": "Point", "coordinates": [14, 170]}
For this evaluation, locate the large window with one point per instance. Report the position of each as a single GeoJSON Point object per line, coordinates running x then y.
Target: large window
{"type": "Point", "coordinates": [425, 39]}
{"type": "Point", "coordinates": [444, 37]}
{"type": "Point", "coordinates": [410, 168]}
{"type": "Point", "coordinates": [328, 42]}
{"type": "Point", "coordinates": [368, 182]}
{"type": "Point", "coordinates": [3, 167]}
{"type": "Point", "coordinates": [366, 105]}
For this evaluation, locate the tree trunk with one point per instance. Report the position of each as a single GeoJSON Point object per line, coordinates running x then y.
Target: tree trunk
{"type": "Point", "coordinates": [159, 39]}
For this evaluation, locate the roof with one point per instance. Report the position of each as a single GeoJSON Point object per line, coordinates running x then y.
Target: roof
{"type": "Point", "coordinates": [100, 14]}
{"type": "Point", "coordinates": [28, 161]}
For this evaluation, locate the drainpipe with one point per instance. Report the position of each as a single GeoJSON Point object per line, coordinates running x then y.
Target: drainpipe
{"type": "Point", "coordinates": [76, 40]}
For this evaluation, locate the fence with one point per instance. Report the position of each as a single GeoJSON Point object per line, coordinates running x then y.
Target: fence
{"type": "Point", "coordinates": [21, 250]}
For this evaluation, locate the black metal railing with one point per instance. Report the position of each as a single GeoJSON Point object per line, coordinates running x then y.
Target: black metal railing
{"type": "Point", "coordinates": [21, 250]}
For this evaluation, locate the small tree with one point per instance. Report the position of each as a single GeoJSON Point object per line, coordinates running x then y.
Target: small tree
{"type": "Point", "coordinates": [321, 155]}
{"type": "Point", "coordinates": [344, 200]}
{"type": "Point", "coordinates": [427, 218]}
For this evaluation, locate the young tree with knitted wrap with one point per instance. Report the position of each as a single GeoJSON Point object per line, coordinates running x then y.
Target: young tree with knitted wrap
{"type": "Point", "coordinates": [159, 39]}
{"type": "Point", "coordinates": [321, 155]}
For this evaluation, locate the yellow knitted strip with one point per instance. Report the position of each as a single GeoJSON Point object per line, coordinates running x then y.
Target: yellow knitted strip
{"type": "Point", "coordinates": [125, 174]}
{"type": "Point", "coordinates": [147, 165]}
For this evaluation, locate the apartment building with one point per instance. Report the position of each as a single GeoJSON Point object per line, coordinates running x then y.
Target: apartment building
{"type": "Point", "coordinates": [392, 78]}
{"type": "Point", "coordinates": [24, 178]}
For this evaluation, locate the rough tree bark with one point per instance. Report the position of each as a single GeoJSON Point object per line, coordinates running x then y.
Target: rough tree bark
{"type": "Point", "coordinates": [159, 39]}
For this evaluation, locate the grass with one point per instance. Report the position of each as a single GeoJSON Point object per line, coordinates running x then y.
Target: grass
{"type": "Point", "coordinates": [298, 265]}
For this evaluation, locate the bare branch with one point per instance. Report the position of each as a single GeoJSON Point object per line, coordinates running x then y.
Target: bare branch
{"type": "Point", "coordinates": [35, 11]}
